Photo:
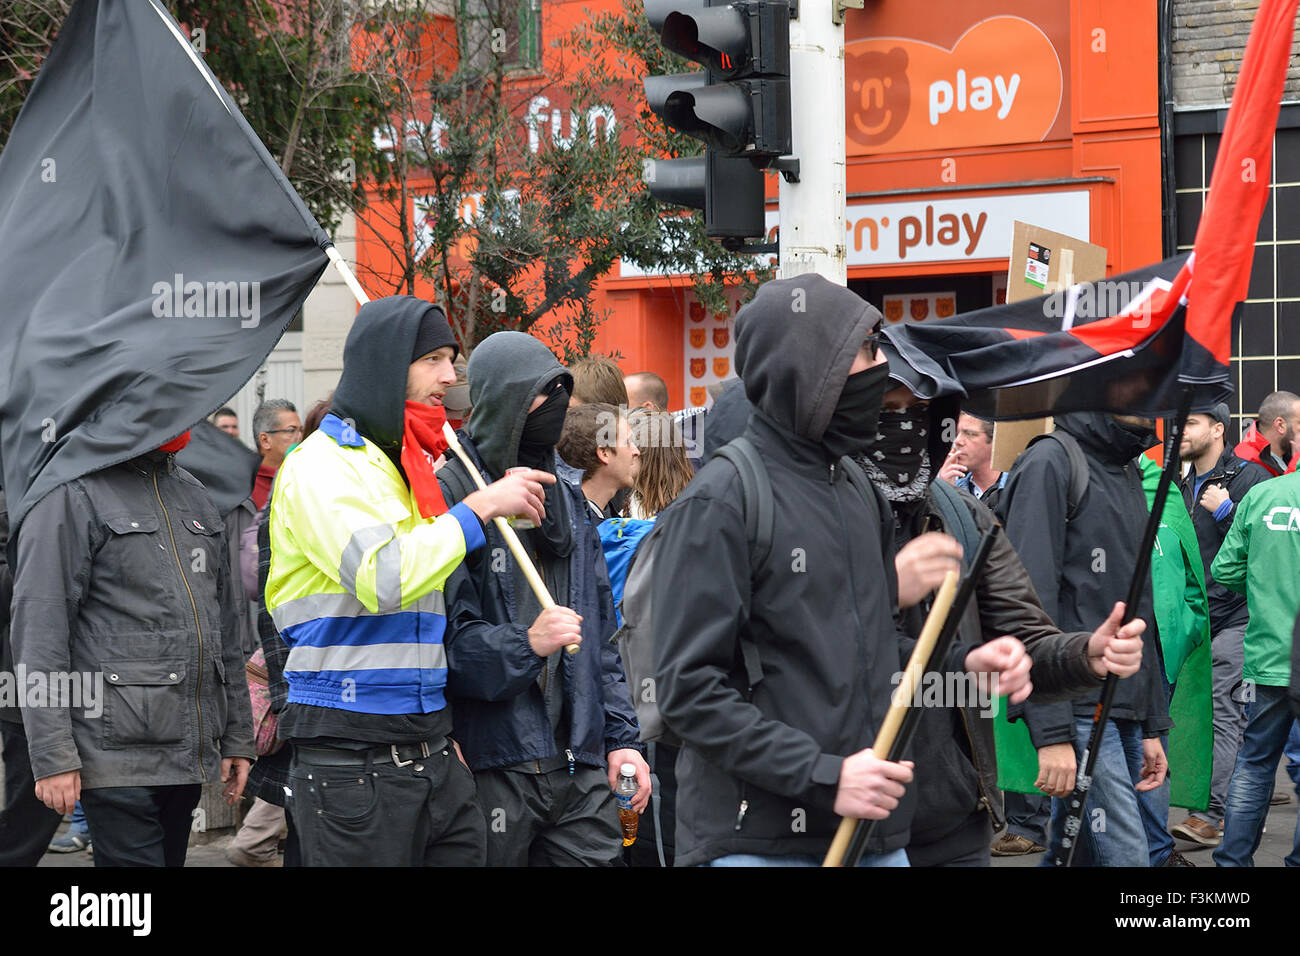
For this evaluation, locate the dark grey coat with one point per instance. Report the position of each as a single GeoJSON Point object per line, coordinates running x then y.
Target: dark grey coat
{"type": "Point", "coordinates": [123, 573]}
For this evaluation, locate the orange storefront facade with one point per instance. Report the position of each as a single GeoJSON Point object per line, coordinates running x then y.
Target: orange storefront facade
{"type": "Point", "coordinates": [963, 116]}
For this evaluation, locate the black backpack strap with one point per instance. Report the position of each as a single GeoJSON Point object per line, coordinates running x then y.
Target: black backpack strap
{"type": "Point", "coordinates": [1078, 470]}
{"type": "Point", "coordinates": [760, 525]}
{"type": "Point", "coordinates": [957, 518]}
{"type": "Point", "coordinates": [867, 489]}
{"type": "Point", "coordinates": [756, 487]}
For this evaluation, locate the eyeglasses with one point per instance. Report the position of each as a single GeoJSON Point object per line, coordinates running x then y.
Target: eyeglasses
{"type": "Point", "coordinates": [295, 430]}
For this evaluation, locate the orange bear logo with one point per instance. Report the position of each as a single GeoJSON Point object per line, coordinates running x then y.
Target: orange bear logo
{"type": "Point", "coordinates": [720, 367]}
{"type": "Point", "coordinates": [879, 96]}
{"type": "Point", "coordinates": [697, 312]}
{"type": "Point", "coordinates": [697, 338]}
{"type": "Point", "coordinates": [720, 337]}
{"type": "Point", "coordinates": [697, 368]}
{"type": "Point", "coordinates": [699, 395]}
{"type": "Point", "coordinates": [920, 309]}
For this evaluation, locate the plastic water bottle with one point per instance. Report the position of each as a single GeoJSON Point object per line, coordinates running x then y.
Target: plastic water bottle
{"type": "Point", "coordinates": [624, 792]}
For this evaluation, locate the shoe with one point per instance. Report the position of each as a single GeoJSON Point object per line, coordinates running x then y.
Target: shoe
{"type": "Point", "coordinates": [70, 842]}
{"type": "Point", "coordinates": [1280, 798]}
{"type": "Point", "coordinates": [1198, 831]}
{"type": "Point", "coordinates": [1177, 859]}
{"type": "Point", "coordinates": [240, 857]}
{"type": "Point", "coordinates": [1012, 844]}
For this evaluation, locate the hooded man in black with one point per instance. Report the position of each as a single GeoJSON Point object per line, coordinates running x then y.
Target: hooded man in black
{"type": "Point", "coordinates": [767, 763]}
{"type": "Point", "coordinates": [545, 732]}
{"type": "Point", "coordinates": [1081, 566]}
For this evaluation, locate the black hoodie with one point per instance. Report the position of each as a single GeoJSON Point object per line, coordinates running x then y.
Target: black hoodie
{"type": "Point", "coordinates": [1081, 568]}
{"type": "Point", "coordinates": [759, 769]}
{"type": "Point", "coordinates": [371, 393]}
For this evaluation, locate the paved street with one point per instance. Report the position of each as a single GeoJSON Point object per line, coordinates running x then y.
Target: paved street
{"type": "Point", "coordinates": [1277, 841]}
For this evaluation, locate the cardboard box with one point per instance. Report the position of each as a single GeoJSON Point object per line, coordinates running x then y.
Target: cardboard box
{"type": "Point", "coordinates": [1042, 261]}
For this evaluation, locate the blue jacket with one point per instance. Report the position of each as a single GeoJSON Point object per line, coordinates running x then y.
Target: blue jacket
{"type": "Point", "coordinates": [500, 716]}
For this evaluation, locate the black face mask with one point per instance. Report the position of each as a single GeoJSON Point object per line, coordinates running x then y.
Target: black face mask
{"type": "Point", "coordinates": [899, 461]}
{"type": "Point", "coordinates": [852, 427]}
{"type": "Point", "coordinates": [542, 430]}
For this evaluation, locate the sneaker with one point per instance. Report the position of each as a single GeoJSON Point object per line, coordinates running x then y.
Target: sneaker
{"type": "Point", "coordinates": [1012, 844]}
{"type": "Point", "coordinates": [70, 842]}
{"type": "Point", "coordinates": [1280, 798]}
{"type": "Point", "coordinates": [1198, 831]}
{"type": "Point", "coordinates": [1177, 859]}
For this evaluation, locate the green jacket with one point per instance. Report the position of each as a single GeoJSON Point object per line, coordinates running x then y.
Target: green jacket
{"type": "Point", "coordinates": [1260, 558]}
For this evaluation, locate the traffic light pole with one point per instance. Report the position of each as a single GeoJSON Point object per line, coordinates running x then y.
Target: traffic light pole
{"type": "Point", "coordinates": [812, 209]}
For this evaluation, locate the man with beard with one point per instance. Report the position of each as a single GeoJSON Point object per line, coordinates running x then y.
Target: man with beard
{"type": "Point", "coordinates": [544, 731]}
{"type": "Point", "coordinates": [958, 802]}
{"type": "Point", "coordinates": [1271, 443]}
{"type": "Point", "coordinates": [362, 543]}
{"type": "Point", "coordinates": [1212, 489]}
{"type": "Point", "coordinates": [1081, 565]}
{"type": "Point", "coordinates": [777, 677]}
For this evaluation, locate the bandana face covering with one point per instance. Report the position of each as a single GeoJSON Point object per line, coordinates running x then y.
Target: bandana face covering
{"type": "Point", "coordinates": [542, 430]}
{"type": "Point", "coordinates": [852, 427]}
{"type": "Point", "coordinates": [422, 444]}
{"type": "Point", "coordinates": [899, 461]}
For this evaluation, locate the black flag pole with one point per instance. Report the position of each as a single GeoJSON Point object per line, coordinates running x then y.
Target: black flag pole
{"type": "Point", "coordinates": [1083, 778]}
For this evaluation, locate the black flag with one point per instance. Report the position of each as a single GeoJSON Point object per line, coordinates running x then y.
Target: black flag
{"type": "Point", "coordinates": [151, 251]}
{"type": "Point", "coordinates": [226, 466]}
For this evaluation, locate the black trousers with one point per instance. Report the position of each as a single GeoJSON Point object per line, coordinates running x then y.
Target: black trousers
{"type": "Point", "coordinates": [968, 845]}
{"type": "Point", "coordinates": [26, 825]}
{"type": "Point", "coordinates": [140, 826]}
{"type": "Point", "coordinates": [550, 819]}
{"type": "Point", "coordinates": [375, 813]}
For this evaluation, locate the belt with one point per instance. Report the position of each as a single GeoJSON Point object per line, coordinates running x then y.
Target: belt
{"type": "Point", "coordinates": [401, 755]}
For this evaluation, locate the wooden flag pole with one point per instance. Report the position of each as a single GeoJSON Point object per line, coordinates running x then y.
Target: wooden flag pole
{"type": "Point", "coordinates": [512, 540]}
{"type": "Point", "coordinates": [901, 700]}
{"type": "Point", "coordinates": [507, 532]}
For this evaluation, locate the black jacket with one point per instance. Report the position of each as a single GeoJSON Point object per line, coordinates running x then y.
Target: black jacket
{"type": "Point", "coordinates": [1227, 608]}
{"type": "Point", "coordinates": [123, 573]}
{"type": "Point", "coordinates": [1080, 569]}
{"type": "Point", "coordinates": [500, 711]}
{"type": "Point", "coordinates": [759, 767]}
{"type": "Point", "coordinates": [956, 760]}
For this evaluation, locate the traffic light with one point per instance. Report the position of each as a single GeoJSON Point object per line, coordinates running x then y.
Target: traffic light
{"type": "Point", "coordinates": [739, 107]}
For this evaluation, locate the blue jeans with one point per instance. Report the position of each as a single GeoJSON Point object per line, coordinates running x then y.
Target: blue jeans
{"type": "Point", "coordinates": [1112, 832]}
{"type": "Point", "coordinates": [79, 826]}
{"type": "Point", "coordinates": [1262, 744]}
{"type": "Point", "coordinates": [1154, 805]}
{"type": "Point", "coordinates": [1293, 755]}
{"type": "Point", "coordinates": [895, 858]}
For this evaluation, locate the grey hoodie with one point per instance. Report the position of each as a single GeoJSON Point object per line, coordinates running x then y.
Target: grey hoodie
{"type": "Point", "coordinates": [506, 372]}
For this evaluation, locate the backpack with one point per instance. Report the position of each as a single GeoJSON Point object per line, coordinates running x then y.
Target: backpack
{"type": "Point", "coordinates": [1078, 469]}
{"type": "Point", "coordinates": [636, 635]}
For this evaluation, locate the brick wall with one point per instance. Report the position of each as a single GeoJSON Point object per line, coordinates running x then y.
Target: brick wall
{"type": "Point", "coordinates": [1208, 38]}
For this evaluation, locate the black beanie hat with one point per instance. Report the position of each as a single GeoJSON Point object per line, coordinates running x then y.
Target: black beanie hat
{"type": "Point", "coordinates": [434, 333]}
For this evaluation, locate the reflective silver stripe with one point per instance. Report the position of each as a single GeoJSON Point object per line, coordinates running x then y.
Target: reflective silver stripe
{"type": "Point", "coordinates": [388, 576]}
{"type": "Point", "coordinates": [314, 606]}
{"type": "Point", "coordinates": [371, 657]}
{"type": "Point", "coordinates": [362, 541]}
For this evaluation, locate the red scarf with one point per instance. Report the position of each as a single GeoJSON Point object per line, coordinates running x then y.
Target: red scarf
{"type": "Point", "coordinates": [422, 445]}
{"type": "Point", "coordinates": [177, 443]}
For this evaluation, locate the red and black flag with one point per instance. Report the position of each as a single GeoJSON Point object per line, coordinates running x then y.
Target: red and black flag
{"type": "Point", "coordinates": [1113, 345]}
{"type": "Point", "coordinates": [151, 251]}
{"type": "Point", "coordinates": [1129, 343]}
